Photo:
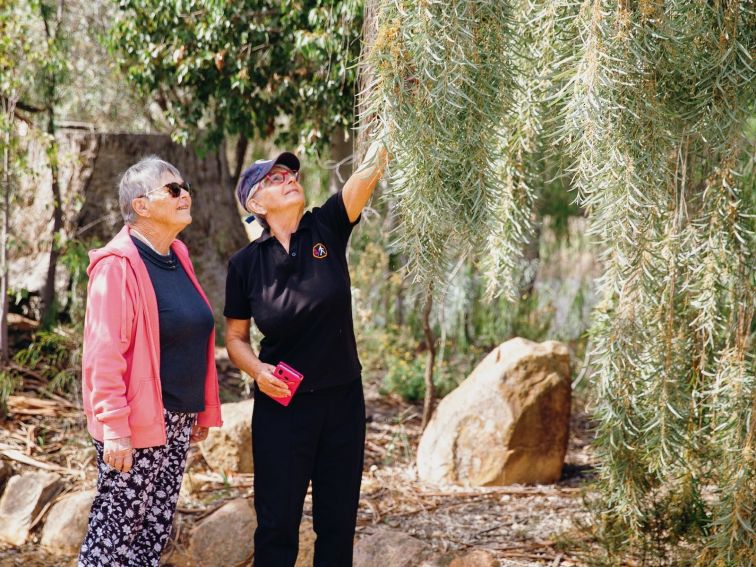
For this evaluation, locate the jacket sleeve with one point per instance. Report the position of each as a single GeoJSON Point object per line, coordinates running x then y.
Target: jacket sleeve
{"type": "Point", "coordinates": [107, 336]}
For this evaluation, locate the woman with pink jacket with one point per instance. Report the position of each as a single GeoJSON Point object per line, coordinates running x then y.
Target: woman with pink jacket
{"type": "Point", "coordinates": [149, 381]}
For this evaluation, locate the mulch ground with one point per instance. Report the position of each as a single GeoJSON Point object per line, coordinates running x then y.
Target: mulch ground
{"type": "Point", "coordinates": [521, 525]}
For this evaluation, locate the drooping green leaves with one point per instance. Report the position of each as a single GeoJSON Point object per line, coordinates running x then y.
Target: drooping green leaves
{"type": "Point", "coordinates": [442, 84]}
{"type": "Point", "coordinates": [654, 114]}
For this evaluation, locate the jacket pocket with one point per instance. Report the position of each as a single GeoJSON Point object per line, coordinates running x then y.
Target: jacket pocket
{"type": "Point", "coordinates": [143, 403]}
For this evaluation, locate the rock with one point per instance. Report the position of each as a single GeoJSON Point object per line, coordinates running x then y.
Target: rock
{"type": "Point", "coordinates": [475, 558]}
{"type": "Point", "coordinates": [225, 537]}
{"type": "Point", "coordinates": [22, 501]}
{"type": "Point", "coordinates": [66, 524]}
{"type": "Point", "coordinates": [392, 548]}
{"type": "Point", "coordinates": [306, 544]}
{"type": "Point", "coordinates": [507, 423]}
{"type": "Point", "coordinates": [191, 485]}
{"type": "Point", "coordinates": [229, 448]}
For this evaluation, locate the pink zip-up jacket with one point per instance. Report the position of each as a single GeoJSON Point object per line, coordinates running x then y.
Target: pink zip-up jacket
{"type": "Point", "coordinates": [121, 357]}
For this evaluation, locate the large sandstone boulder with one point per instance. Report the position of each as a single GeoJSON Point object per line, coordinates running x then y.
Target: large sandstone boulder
{"type": "Point", "coordinates": [387, 547]}
{"type": "Point", "coordinates": [22, 501]}
{"type": "Point", "coordinates": [229, 448]}
{"type": "Point", "coordinates": [225, 537]}
{"type": "Point", "coordinates": [66, 524]}
{"type": "Point", "coordinates": [507, 423]}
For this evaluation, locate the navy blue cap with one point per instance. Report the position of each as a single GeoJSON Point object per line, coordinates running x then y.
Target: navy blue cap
{"type": "Point", "coordinates": [255, 173]}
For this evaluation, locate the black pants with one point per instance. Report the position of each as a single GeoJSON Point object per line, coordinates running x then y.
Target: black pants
{"type": "Point", "coordinates": [320, 436]}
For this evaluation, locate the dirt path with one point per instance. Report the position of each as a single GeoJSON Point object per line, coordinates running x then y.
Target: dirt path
{"type": "Point", "coordinates": [520, 525]}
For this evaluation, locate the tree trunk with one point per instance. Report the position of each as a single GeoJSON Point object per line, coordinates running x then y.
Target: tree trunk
{"type": "Point", "coordinates": [216, 231]}
{"type": "Point", "coordinates": [239, 153]}
{"type": "Point", "coordinates": [9, 111]}
{"type": "Point", "coordinates": [48, 293]}
{"type": "Point", "coordinates": [430, 388]}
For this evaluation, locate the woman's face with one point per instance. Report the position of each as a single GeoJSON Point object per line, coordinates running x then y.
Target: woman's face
{"type": "Point", "coordinates": [279, 196]}
{"type": "Point", "coordinates": [164, 209]}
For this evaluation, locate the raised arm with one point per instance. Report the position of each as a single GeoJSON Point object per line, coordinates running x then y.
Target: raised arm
{"type": "Point", "coordinates": [359, 187]}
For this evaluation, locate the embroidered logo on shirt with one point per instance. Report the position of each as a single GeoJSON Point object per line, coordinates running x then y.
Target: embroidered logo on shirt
{"type": "Point", "coordinates": [319, 251]}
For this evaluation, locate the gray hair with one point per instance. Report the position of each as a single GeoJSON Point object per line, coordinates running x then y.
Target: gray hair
{"type": "Point", "coordinates": [141, 177]}
{"type": "Point", "coordinates": [259, 218]}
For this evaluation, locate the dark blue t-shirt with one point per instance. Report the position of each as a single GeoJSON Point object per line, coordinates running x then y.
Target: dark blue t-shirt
{"type": "Point", "coordinates": [186, 322]}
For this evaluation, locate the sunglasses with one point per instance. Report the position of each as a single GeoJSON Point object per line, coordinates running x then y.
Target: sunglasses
{"type": "Point", "coordinates": [173, 188]}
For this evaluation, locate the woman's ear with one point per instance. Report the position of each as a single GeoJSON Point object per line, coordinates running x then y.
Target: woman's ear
{"type": "Point", "coordinates": [257, 208]}
{"type": "Point", "coordinates": [140, 207]}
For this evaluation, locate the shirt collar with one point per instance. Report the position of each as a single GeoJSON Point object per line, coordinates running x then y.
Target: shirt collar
{"type": "Point", "coordinates": [304, 223]}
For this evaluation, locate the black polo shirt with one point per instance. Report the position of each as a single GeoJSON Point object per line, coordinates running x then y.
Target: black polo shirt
{"type": "Point", "coordinates": [301, 300]}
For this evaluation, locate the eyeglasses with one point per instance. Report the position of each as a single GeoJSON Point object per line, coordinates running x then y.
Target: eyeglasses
{"type": "Point", "coordinates": [281, 176]}
{"type": "Point", "coordinates": [174, 189]}
{"type": "Point", "coordinates": [275, 178]}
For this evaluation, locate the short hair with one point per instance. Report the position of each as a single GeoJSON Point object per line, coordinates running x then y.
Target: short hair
{"type": "Point", "coordinates": [140, 178]}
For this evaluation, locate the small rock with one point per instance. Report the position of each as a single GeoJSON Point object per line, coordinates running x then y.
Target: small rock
{"type": "Point", "coordinates": [23, 499]}
{"type": "Point", "coordinates": [390, 548]}
{"type": "Point", "coordinates": [190, 485]}
{"type": "Point", "coordinates": [66, 524]}
{"type": "Point", "coordinates": [229, 448]}
{"type": "Point", "coordinates": [475, 558]}
{"type": "Point", "coordinates": [225, 537]}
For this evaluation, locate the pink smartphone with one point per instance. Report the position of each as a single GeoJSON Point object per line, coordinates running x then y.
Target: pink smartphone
{"type": "Point", "coordinates": [292, 378]}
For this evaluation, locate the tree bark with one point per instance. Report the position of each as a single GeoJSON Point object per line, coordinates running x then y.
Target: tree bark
{"type": "Point", "coordinates": [430, 388]}
{"type": "Point", "coordinates": [48, 293]}
{"type": "Point", "coordinates": [9, 111]}
{"type": "Point", "coordinates": [239, 153]}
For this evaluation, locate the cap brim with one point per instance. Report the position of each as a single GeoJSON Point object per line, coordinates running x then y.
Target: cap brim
{"type": "Point", "coordinates": [288, 159]}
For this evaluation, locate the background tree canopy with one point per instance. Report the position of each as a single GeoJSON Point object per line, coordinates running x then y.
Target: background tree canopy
{"type": "Point", "coordinates": [255, 68]}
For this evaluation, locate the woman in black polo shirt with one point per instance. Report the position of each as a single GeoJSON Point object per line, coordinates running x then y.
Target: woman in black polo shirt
{"type": "Point", "coordinates": [294, 282]}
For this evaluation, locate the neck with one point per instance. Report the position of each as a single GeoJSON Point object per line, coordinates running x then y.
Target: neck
{"type": "Point", "coordinates": [284, 223]}
{"type": "Point", "coordinates": [160, 238]}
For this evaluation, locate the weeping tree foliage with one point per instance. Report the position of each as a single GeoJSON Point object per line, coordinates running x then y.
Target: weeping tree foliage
{"type": "Point", "coordinates": [650, 101]}
{"type": "Point", "coordinates": [524, 142]}
{"type": "Point", "coordinates": [654, 117]}
{"type": "Point", "coordinates": [441, 83]}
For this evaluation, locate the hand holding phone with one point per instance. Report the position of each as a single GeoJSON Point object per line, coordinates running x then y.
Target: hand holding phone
{"type": "Point", "coordinates": [291, 377]}
{"type": "Point", "coordinates": [268, 383]}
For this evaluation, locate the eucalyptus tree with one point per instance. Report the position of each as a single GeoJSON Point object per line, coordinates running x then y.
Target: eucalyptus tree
{"type": "Point", "coordinates": [253, 68]}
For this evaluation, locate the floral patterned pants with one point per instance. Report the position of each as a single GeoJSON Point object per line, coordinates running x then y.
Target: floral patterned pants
{"type": "Point", "coordinates": [132, 513]}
